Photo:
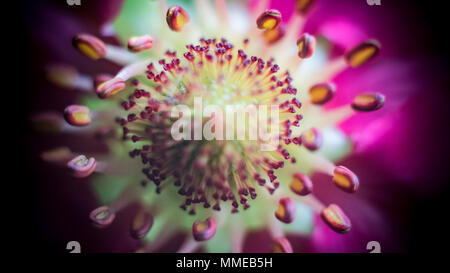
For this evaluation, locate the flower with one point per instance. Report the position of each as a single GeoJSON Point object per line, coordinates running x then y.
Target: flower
{"type": "Point", "coordinates": [230, 186]}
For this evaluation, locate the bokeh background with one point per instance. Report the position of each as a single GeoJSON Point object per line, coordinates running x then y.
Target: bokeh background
{"type": "Point", "coordinates": [413, 29]}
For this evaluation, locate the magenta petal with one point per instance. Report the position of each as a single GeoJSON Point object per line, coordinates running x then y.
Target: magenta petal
{"type": "Point", "coordinates": [410, 143]}
{"type": "Point", "coordinates": [343, 34]}
{"type": "Point", "coordinates": [375, 213]}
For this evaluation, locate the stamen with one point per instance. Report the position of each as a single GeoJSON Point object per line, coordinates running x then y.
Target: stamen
{"type": "Point", "coordinates": [304, 6]}
{"type": "Point", "coordinates": [322, 93]}
{"type": "Point", "coordinates": [90, 46]}
{"type": "Point", "coordinates": [132, 70]}
{"type": "Point", "coordinates": [162, 237]}
{"type": "Point", "coordinates": [335, 218]}
{"type": "Point", "coordinates": [286, 210]}
{"type": "Point", "coordinates": [274, 228]}
{"type": "Point", "coordinates": [60, 154]}
{"type": "Point", "coordinates": [368, 102]}
{"type": "Point", "coordinates": [81, 166]}
{"type": "Point", "coordinates": [140, 43]}
{"type": "Point", "coordinates": [48, 122]}
{"type": "Point", "coordinates": [306, 44]}
{"type": "Point", "coordinates": [102, 216]}
{"type": "Point", "coordinates": [77, 115]}
{"type": "Point", "coordinates": [101, 78]}
{"type": "Point", "coordinates": [188, 247]}
{"type": "Point", "coordinates": [203, 231]}
{"type": "Point", "coordinates": [62, 75]}
{"type": "Point", "coordinates": [120, 55]}
{"type": "Point", "coordinates": [331, 69]}
{"type": "Point", "coordinates": [345, 179]}
{"type": "Point", "coordinates": [321, 164]}
{"type": "Point", "coordinates": [141, 225]}
{"type": "Point", "coordinates": [294, 27]}
{"type": "Point", "coordinates": [301, 184]}
{"type": "Point", "coordinates": [176, 18]}
{"type": "Point", "coordinates": [336, 115]}
{"type": "Point", "coordinates": [104, 133]}
{"type": "Point", "coordinates": [312, 202]}
{"type": "Point", "coordinates": [269, 19]}
{"type": "Point", "coordinates": [281, 245]}
{"type": "Point", "coordinates": [312, 139]}
{"type": "Point", "coordinates": [363, 53]}
{"type": "Point", "coordinates": [237, 234]}
{"type": "Point", "coordinates": [109, 88]}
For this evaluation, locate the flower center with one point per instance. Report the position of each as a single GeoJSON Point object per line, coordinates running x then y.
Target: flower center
{"type": "Point", "coordinates": [210, 171]}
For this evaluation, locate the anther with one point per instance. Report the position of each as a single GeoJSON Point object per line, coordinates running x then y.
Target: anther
{"type": "Point", "coordinates": [335, 218]}
{"type": "Point", "coordinates": [345, 179]}
{"type": "Point", "coordinates": [176, 18]}
{"type": "Point", "coordinates": [110, 87]}
{"type": "Point", "coordinates": [57, 154]}
{"type": "Point", "coordinates": [77, 115]}
{"type": "Point", "coordinates": [306, 44]}
{"type": "Point", "coordinates": [81, 166]}
{"type": "Point", "coordinates": [102, 216]}
{"type": "Point", "coordinates": [203, 231]}
{"type": "Point", "coordinates": [90, 46]}
{"type": "Point", "coordinates": [62, 75]}
{"type": "Point", "coordinates": [140, 43]}
{"type": "Point", "coordinates": [286, 210]}
{"type": "Point", "coordinates": [363, 53]}
{"type": "Point", "coordinates": [322, 93]}
{"type": "Point", "coordinates": [269, 19]}
{"type": "Point", "coordinates": [141, 225]}
{"type": "Point", "coordinates": [312, 139]}
{"type": "Point", "coordinates": [368, 102]}
{"type": "Point", "coordinates": [101, 78]}
{"type": "Point", "coordinates": [301, 184]}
